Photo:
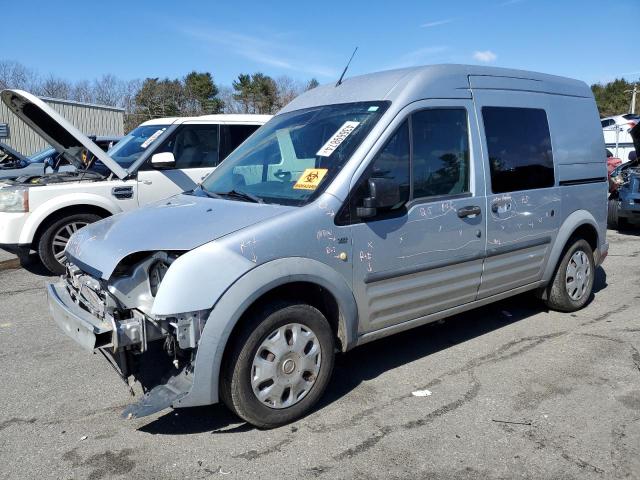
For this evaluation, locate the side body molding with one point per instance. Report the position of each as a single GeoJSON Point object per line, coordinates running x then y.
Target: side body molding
{"type": "Point", "coordinates": [571, 223]}
{"type": "Point", "coordinates": [234, 302]}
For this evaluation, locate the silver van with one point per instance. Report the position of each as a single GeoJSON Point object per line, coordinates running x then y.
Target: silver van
{"type": "Point", "coordinates": [360, 210]}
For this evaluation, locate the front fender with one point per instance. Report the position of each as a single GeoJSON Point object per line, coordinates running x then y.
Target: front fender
{"type": "Point", "coordinates": [229, 308]}
{"type": "Point", "coordinates": [43, 211]}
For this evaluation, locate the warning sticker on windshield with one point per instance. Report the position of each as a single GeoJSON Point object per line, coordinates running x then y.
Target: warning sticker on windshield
{"type": "Point", "coordinates": [152, 138]}
{"type": "Point", "coordinates": [310, 178]}
{"type": "Point", "coordinates": [337, 138]}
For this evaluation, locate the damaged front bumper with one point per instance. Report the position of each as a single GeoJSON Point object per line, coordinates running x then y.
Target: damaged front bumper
{"type": "Point", "coordinates": [80, 325]}
{"type": "Point", "coordinates": [159, 352]}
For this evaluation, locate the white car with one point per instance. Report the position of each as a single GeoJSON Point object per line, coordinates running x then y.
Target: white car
{"type": "Point", "coordinates": [158, 159]}
{"type": "Point", "coordinates": [616, 134]}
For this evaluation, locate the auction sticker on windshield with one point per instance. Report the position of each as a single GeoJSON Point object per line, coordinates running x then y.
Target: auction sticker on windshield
{"type": "Point", "coordinates": [152, 138]}
{"type": "Point", "coordinates": [310, 179]}
{"type": "Point", "coordinates": [337, 138]}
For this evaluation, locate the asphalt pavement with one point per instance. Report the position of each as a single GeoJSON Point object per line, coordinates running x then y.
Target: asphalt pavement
{"type": "Point", "coordinates": [506, 391]}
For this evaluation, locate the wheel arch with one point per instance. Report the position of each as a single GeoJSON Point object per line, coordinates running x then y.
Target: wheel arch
{"type": "Point", "coordinates": [580, 224]}
{"type": "Point", "coordinates": [57, 208]}
{"type": "Point", "coordinates": [283, 277]}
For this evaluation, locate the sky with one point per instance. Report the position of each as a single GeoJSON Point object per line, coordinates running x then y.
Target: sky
{"type": "Point", "coordinates": [589, 40]}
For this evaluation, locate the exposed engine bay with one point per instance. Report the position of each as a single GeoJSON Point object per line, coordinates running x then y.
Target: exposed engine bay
{"type": "Point", "coordinates": [158, 352]}
{"type": "Point", "coordinates": [55, 178]}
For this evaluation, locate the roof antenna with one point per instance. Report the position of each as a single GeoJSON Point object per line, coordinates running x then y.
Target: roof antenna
{"type": "Point", "coordinates": [345, 68]}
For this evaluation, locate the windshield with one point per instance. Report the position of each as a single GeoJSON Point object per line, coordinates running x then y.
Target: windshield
{"type": "Point", "coordinates": [132, 145]}
{"type": "Point", "coordinates": [292, 158]}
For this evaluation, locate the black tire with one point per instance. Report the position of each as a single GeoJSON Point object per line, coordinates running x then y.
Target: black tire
{"type": "Point", "coordinates": [559, 295]}
{"type": "Point", "coordinates": [45, 247]}
{"type": "Point", "coordinates": [613, 221]}
{"type": "Point", "coordinates": [236, 390]}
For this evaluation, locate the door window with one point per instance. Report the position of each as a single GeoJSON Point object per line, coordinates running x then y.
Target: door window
{"type": "Point", "coordinates": [440, 160]}
{"type": "Point", "coordinates": [519, 145]}
{"type": "Point", "coordinates": [391, 162]}
{"type": "Point", "coordinates": [231, 136]}
{"type": "Point", "coordinates": [193, 146]}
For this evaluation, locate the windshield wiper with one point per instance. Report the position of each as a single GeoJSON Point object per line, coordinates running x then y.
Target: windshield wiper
{"type": "Point", "coordinates": [247, 197]}
{"type": "Point", "coordinates": [206, 192]}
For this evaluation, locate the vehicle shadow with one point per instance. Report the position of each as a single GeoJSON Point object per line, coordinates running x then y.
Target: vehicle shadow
{"type": "Point", "coordinates": [371, 360]}
{"type": "Point", "coordinates": [32, 264]}
{"type": "Point", "coordinates": [631, 230]}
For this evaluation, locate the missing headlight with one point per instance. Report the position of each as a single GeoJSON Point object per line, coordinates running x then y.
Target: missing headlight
{"type": "Point", "coordinates": [157, 271]}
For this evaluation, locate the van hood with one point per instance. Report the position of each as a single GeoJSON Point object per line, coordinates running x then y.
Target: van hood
{"type": "Point", "coordinates": [58, 132]}
{"type": "Point", "coordinates": [180, 223]}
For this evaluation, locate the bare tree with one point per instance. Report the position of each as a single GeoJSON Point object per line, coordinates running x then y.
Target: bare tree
{"type": "Point", "coordinates": [107, 90]}
{"type": "Point", "coordinates": [55, 87]}
{"type": "Point", "coordinates": [83, 92]}
{"type": "Point", "coordinates": [287, 89]}
{"type": "Point", "coordinates": [231, 105]}
{"type": "Point", "coordinates": [16, 75]}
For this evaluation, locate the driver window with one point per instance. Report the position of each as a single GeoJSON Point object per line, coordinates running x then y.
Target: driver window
{"type": "Point", "coordinates": [391, 162]}
{"type": "Point", "coordinates": [193, 146]}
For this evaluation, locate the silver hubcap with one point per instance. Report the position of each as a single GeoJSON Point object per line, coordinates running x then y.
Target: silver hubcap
{"type": "Point", "coordinates": [578, 275]}
{"type": "Point", "coordinates": [286, 366]}
{"type": "Point", "coordinates": [61, 238]}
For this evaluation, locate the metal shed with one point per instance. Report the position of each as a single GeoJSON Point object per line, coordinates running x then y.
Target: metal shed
{"type": "Point", "coordinates": [87, 117]}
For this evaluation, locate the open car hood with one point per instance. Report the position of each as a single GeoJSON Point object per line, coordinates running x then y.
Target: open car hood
{"type": "Point", "coordinates": [635, 135]}
{"type": "Point", "coordinates": [60, 133]}
{"type": "Point", "coordinates": [8, 154]}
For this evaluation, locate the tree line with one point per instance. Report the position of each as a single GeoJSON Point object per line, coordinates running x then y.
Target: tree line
{"type": "Point", "coordinates": [197, 93]}
{"type": "Point", "coordinates": [194, 94]}
{"type": "Point", "coordinates": [614, 98]}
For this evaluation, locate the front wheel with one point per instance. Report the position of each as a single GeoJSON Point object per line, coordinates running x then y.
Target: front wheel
{"type": "Point", "coordinates": [279, 366]}
{"type": "Point", "coordinates": [573, 280]}
{"type": "Point", "coordinates": [54, 239]}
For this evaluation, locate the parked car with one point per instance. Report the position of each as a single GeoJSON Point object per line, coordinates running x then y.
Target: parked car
{"type": "Point", "coordinates": [627, 121]}
{"type": "Point", "coordinates": [616, 134]}
{"type": "Point", "coordinates": [360, 210]}
{"type": "Point", "coordinates": [158, 159]}
{"type": "Point", "coordinates": [16, 165]}
{"type": "Point", "coordinates": [624, 188]}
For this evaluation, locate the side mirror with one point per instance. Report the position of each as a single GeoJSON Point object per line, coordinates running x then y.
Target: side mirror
{"type": "Point", "coordinates": [49, 162]}
{"type": "Point", "coordinates": [163, 160]}
{"type": "Point", "coordinates": [384, 193]}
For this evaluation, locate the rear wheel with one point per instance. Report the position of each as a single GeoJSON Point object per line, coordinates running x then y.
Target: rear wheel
{"type": "Point", "coordinates": [56, 236]}
{"type": "Point", "coordinates": [279, 366]}
{"type": "Point", "coordinates": [612, 213]}
{"type": "Point", "coordinates": [573, 280]}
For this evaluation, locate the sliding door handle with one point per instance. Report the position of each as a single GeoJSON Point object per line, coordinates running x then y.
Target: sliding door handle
{"type": "Point", "coordinates": [469, 211]}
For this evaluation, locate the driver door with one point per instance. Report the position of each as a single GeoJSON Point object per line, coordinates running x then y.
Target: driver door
{"type": "Point", "coordinates": [425, 256]}
{"type": "Point", "coordinates": [196, 153]}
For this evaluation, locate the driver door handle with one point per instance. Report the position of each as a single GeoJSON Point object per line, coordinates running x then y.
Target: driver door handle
{"type": "Point", "coordinates": [147, 182]}
{"type": "Point", "coordinates": [469, 211]}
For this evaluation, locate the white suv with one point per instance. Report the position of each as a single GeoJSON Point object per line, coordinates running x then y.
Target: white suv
{"type": "Point", "coordinates": [158, 159]}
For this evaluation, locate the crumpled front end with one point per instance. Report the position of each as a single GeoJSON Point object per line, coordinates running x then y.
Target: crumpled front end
{"type": "Point", "coordinates": [114, 317]}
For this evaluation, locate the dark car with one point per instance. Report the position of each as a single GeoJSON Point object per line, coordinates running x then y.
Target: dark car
{"type": "Point", "coordinates": [624, 185]}
{"type": "Point", "coordinates": [14, 164]}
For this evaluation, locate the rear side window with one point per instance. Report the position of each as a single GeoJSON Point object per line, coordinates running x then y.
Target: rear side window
{"type": "Point", "coordinates": [231, 136]}
{"type": "Point", "coordinates": [519, 145]}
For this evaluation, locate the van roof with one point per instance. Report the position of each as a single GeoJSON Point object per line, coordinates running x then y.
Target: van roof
{"type": "Point", "coordinates": [222, 118]}
{"type": "Point", "coordinates": [407, 85]}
